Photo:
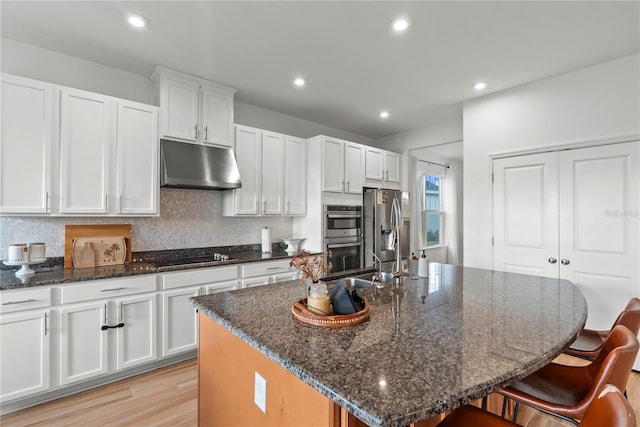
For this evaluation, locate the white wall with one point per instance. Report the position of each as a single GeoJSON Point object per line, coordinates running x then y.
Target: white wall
{"type": "Point", "coordinates": [188, 218]}
{"type": "Point", "coordinates": [597, 103]}
{"type": "Point", "coordinates": [274, 121]}
{"type": "Point", "coordinates": [26, 60]}
{"type": "Point", "coordinates": [433, 134]}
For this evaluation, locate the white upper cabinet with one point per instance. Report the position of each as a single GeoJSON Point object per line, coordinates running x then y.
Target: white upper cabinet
{"type": "Point", "coordinates": [86, 154]}
{"type": "Point", "coordinates": [273, 172]}
{"type": "Point", "coordinates": [353, 159]}
{"type": "Point", "coordinates": [392, 167]}
{"type": "Point", "coordinates": [193, 109]}
{"type": "Point", "coordinates": [332, 165]}
{"type": "Point", "coordinates": [217, 115]}
{"type": "Point", "coordinates": [342, 164]}
{"type": "Point", "coordinates": [180, 117]}
{"type": "Point", "coordinates": [382, 168]}
{"type": "Point", "coordinates": [108, 155]}
{"type": "Point", "coordinates": [137, 159]}
{"type": "Point", "coordinates": [26, 145]}
{"type": "Point", "coordinates": [374, 164]}
{"type": "Point", "coordinates": [246, 200]}
{"type": "Point", "coordinates": [295, 176]}
{"type": "Point", "coordinates": [85, 139]}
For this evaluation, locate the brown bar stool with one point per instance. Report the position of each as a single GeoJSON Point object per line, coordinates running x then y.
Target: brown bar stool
{"type": "Point", "coordinates": [589, 341]}
{"type": "Point", "coordinates": [566, 391]}
{"type": "Point", "coordinates": [608, 409]}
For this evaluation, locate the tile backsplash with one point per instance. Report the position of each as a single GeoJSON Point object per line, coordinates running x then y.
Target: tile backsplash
{"type": "Point", "coordinates": [188, 219]}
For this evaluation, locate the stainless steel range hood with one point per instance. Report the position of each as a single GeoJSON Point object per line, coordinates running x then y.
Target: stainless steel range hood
{"type": "Point", "coordinates": [184, 165]}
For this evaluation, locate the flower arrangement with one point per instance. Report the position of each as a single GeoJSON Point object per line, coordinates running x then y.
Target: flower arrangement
{"type": "Point", "coordinates": [311, 267]}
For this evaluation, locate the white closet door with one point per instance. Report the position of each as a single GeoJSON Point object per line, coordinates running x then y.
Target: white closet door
{"type": "Point", "coordinates": [525, 214]}
{"type": "Point", "coordinates": [599, 227]}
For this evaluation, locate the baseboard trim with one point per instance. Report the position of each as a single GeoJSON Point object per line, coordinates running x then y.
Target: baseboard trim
{"type": "Point", "coordinates": [57, 393]}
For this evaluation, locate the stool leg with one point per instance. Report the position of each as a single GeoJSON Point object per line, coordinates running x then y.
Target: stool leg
{"type": "Point", "coordinates": [515, 411]}
{"type": "Point", "coordinates": [484, 403]}
{"type": "Point", "coordinates": [505, 401]}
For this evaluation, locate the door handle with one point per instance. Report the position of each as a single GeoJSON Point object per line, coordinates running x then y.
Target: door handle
{"type": "Point", "coordinates": [552, 260]}
{"type": "Point", "coordinates": [564, 261]}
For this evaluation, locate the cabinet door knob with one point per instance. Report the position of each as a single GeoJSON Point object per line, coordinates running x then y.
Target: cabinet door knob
{"type": "Point", "coordinates": [564, 261]}
{"type": "Point", "coordinates": [552, 260]}
{"type": "Point", "coordinates": [206, 133]}
{"type": "Point", "coordinates": [195, 129]}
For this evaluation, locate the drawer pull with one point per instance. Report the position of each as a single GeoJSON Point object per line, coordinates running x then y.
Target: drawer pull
{"type": "Point", "coordinates": [273, 268]}
{"type": "Point", "coordinates": [111, 290]}
{"type": "Point", "coordinates": [105, 327]}
{"type": "Point", "coordinates": [19, 302]}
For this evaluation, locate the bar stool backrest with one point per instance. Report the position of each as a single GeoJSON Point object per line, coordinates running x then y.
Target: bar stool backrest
{"type": "Point", "coordinates": [615, 361]}
{"type": "Point", "coordinates": [609, 409]}
{"type": "Point", "coordinates": [630, 316]}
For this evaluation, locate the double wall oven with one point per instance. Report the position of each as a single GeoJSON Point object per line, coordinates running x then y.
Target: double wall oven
{"type": "Point", "coordinates": [342, 236]}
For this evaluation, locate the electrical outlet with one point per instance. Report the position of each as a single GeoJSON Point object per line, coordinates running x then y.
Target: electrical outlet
{"type": "Point", "coordinates": [260, 393]}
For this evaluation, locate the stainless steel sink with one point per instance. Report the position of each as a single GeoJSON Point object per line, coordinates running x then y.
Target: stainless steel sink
{"type": "Point", "coordinates": [366, 280]}
{"type": "Point", "coordinates": [387, 276]}
{"type": "Point", "coordinates": [356, 282]}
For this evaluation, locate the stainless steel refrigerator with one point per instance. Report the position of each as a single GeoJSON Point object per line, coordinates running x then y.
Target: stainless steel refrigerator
{"type": "Point", "coordinates": [379, 228]}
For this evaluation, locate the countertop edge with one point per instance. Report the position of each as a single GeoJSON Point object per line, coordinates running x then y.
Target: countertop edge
{"type": "Point", "coordinates": [60, 276]}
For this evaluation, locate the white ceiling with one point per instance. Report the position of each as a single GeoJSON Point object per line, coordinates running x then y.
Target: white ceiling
{"type": "Point", "coordinates": [354, 64]}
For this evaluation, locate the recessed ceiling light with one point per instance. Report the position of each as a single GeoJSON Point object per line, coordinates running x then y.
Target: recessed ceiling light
{"type": "Point", "coordinates": [480, 85]}
{"type": "Point", "coordinates": [137, 21]}
{"type": "Point", "coordinates": [384, 114]}
{"type": "Point", "coordinates": [400, 25]}
{"type": "Point", "coordinates": [299, 81]}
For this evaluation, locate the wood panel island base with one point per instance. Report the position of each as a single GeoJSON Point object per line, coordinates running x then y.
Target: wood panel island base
{"type": "Point", "coordinates": [429, 346]}
{"type": "Point", "coordinates": [227, 367]}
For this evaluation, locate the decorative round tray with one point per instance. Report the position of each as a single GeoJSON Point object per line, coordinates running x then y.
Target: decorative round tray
{"type": "Point", "coordinates": [301, 313]}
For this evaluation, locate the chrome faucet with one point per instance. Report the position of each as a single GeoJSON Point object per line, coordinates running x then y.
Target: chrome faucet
{"type": "Point", "coordinates": [378, 276]}
{"type": "Point", "coordinates": [395, 223]}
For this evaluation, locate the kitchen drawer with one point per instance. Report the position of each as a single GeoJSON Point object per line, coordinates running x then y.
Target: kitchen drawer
{"type": "Point", "coordinates": [101, 289]}
{"type": "Point", "coordinates": [200, 276]}
{"type": "Point", "coordinates": [18, 300]}
{"type": "Point", "coordinates": [265, 268]}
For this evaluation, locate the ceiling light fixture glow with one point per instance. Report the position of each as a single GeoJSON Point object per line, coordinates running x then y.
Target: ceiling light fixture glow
{"type": "Point", "coordinates": [384, 114]}
{"type": "Point", "coordinates": [400, 25]}
{"type": "Point", "coordinates": [137, 21]}
{"type": "Point", "coordinates": [299, 81]}
{"type": "Point", "coordinates": [480, 85]}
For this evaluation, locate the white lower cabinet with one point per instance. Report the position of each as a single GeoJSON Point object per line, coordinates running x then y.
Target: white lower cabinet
{"type": "Point", "coordinates": [25, 338]}
{"type": "Point", "coordinates": [179, 319]}
{"type": "Point", "coordinates": [24, 354]}
{"type": "Point", "coordinates": [107, 326]}
{"type": "Point", "coordinates": [136, 331]}
{"type": "Point", "coordinates": [265, 273]}
{"type": "Point", "coordinates": [83, 343]}
{"type": "Point", "coordinates": [106, 336]}
{"type": "Point", "coordinates": [179, 322]}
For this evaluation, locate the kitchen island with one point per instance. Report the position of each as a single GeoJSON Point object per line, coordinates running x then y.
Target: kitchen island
{"type": "Point", "coordinates": [429, 346]}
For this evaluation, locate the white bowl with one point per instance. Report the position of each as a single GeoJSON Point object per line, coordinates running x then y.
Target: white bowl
{"type": "Point", "coordinates": [292, 245]}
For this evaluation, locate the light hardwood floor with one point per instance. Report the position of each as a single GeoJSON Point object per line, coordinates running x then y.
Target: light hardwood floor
{"type": "Point", "coordinates": [168, 397]}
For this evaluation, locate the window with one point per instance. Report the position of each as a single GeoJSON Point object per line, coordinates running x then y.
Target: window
{"type": "Point", "coordinates": [432, 214]}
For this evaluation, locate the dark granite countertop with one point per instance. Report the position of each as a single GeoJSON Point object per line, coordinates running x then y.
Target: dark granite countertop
{"type": "Point", "coordinates": [52, 272]}
{"type": "Point", "coordinates": [429, 345]}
